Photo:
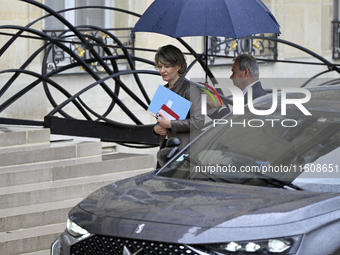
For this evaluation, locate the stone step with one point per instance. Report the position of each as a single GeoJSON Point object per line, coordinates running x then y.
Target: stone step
{"type": "Point", "coordinates": [72, 168]}
{"type": "Point", "coordinates": [33, 228]}
{"type": "Point", "coordinates": [30, 240]}
{"type": "Point", "coordinates": [115, 163]}
{"type": "Point", "coordinates": [43, 176]}
{"type": "Point", "coordinates": [44, 252]}
{"type": "Point", "coordinates": [111, 163]}
{"type": "Point", "coordinates": [25, 147]}
{"type": "Point", "coordinates": [30, 216]}
{"type": "Point", "coordinates": [49, 152]}
{"type": "Point", "coordinates": [19, 135]}
{"type": "Point", "coordinates": [38, 172]}
{"type": "Point", "coordinates": [30, 194]}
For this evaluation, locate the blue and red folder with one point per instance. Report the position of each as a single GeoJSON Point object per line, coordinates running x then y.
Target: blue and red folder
{"type": "Point", "coordinates": [169, 103]}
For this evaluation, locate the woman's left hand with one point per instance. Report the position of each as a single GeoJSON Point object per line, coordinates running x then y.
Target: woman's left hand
{"type": "Point", "coordinates": [164, 121]}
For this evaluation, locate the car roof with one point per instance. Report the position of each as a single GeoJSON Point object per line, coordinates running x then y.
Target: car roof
{"type": "Point", "coordinates": [325, 99]}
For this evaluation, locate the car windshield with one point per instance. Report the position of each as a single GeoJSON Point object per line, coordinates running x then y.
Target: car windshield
{"type": "Point", "coordinates": [256, 150]}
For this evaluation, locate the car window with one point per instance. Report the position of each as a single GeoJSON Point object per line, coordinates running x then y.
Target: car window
{"type": "Point", "coordinates": [251, 147]}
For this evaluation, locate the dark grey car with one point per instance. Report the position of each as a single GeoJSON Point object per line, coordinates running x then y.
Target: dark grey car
{"type": "Point", "coordinates": [248, 185]}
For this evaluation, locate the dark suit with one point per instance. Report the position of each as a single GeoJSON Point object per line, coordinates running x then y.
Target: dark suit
{"type": "Point", "coordinates": [258, 91]}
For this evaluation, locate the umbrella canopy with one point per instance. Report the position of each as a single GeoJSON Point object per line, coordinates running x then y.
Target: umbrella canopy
{"type": "Point", "coordinates": [228, 18]}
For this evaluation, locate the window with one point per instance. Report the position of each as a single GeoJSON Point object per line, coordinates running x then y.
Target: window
{"type": "Point", "coordinates": [97, 17]}
{"type": "Point", "coordinates": [90, 16]}
{"type": "Point", "coordinates": [336, 29]}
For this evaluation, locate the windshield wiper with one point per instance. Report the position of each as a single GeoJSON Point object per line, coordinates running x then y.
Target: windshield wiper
{"type": "Point", "coordinates": [277, 182]}
{"type": "Point", "coordinates": [213, 178]}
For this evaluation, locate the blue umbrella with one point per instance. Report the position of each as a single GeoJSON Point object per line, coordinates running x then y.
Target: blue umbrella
{"type": "Point", "coordinates": [228, 18]}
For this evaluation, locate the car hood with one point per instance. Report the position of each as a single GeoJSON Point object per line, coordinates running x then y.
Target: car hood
{"type": "Point", "coordinates": [151, 198]}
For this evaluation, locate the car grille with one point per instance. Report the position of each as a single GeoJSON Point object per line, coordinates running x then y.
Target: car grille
{"type": "Point", "coordinates": [115, 245]}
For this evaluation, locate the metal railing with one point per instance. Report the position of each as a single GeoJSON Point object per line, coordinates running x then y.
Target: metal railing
{"type": "Point", "coordinates": [222, 48]}
{"type": "Point", "coordinates": [56, 57]}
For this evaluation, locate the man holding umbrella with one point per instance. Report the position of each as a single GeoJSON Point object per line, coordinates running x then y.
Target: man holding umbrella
{"type": "Point", "coordinates": [245, 76]}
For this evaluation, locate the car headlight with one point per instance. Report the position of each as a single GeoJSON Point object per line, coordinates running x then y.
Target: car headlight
{"type": "Point", "coordinates": [74, 230]}
{"type": "Point", "coordinates": [285, 245]}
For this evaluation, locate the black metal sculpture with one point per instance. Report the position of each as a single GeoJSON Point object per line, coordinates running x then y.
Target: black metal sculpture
{"type": "Point", "coordinates": [96, 50]}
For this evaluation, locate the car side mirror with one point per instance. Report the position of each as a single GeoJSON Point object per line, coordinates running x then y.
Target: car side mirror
{"type": "Point", "coordinates": [170, 149]}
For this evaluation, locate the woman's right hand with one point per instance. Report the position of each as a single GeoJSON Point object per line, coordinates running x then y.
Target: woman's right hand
{"type": "Point", "coordinates": [160, 130]}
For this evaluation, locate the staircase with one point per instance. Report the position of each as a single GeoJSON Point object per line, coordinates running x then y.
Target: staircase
{"type": "Point", "coordinates": [41, 179]}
